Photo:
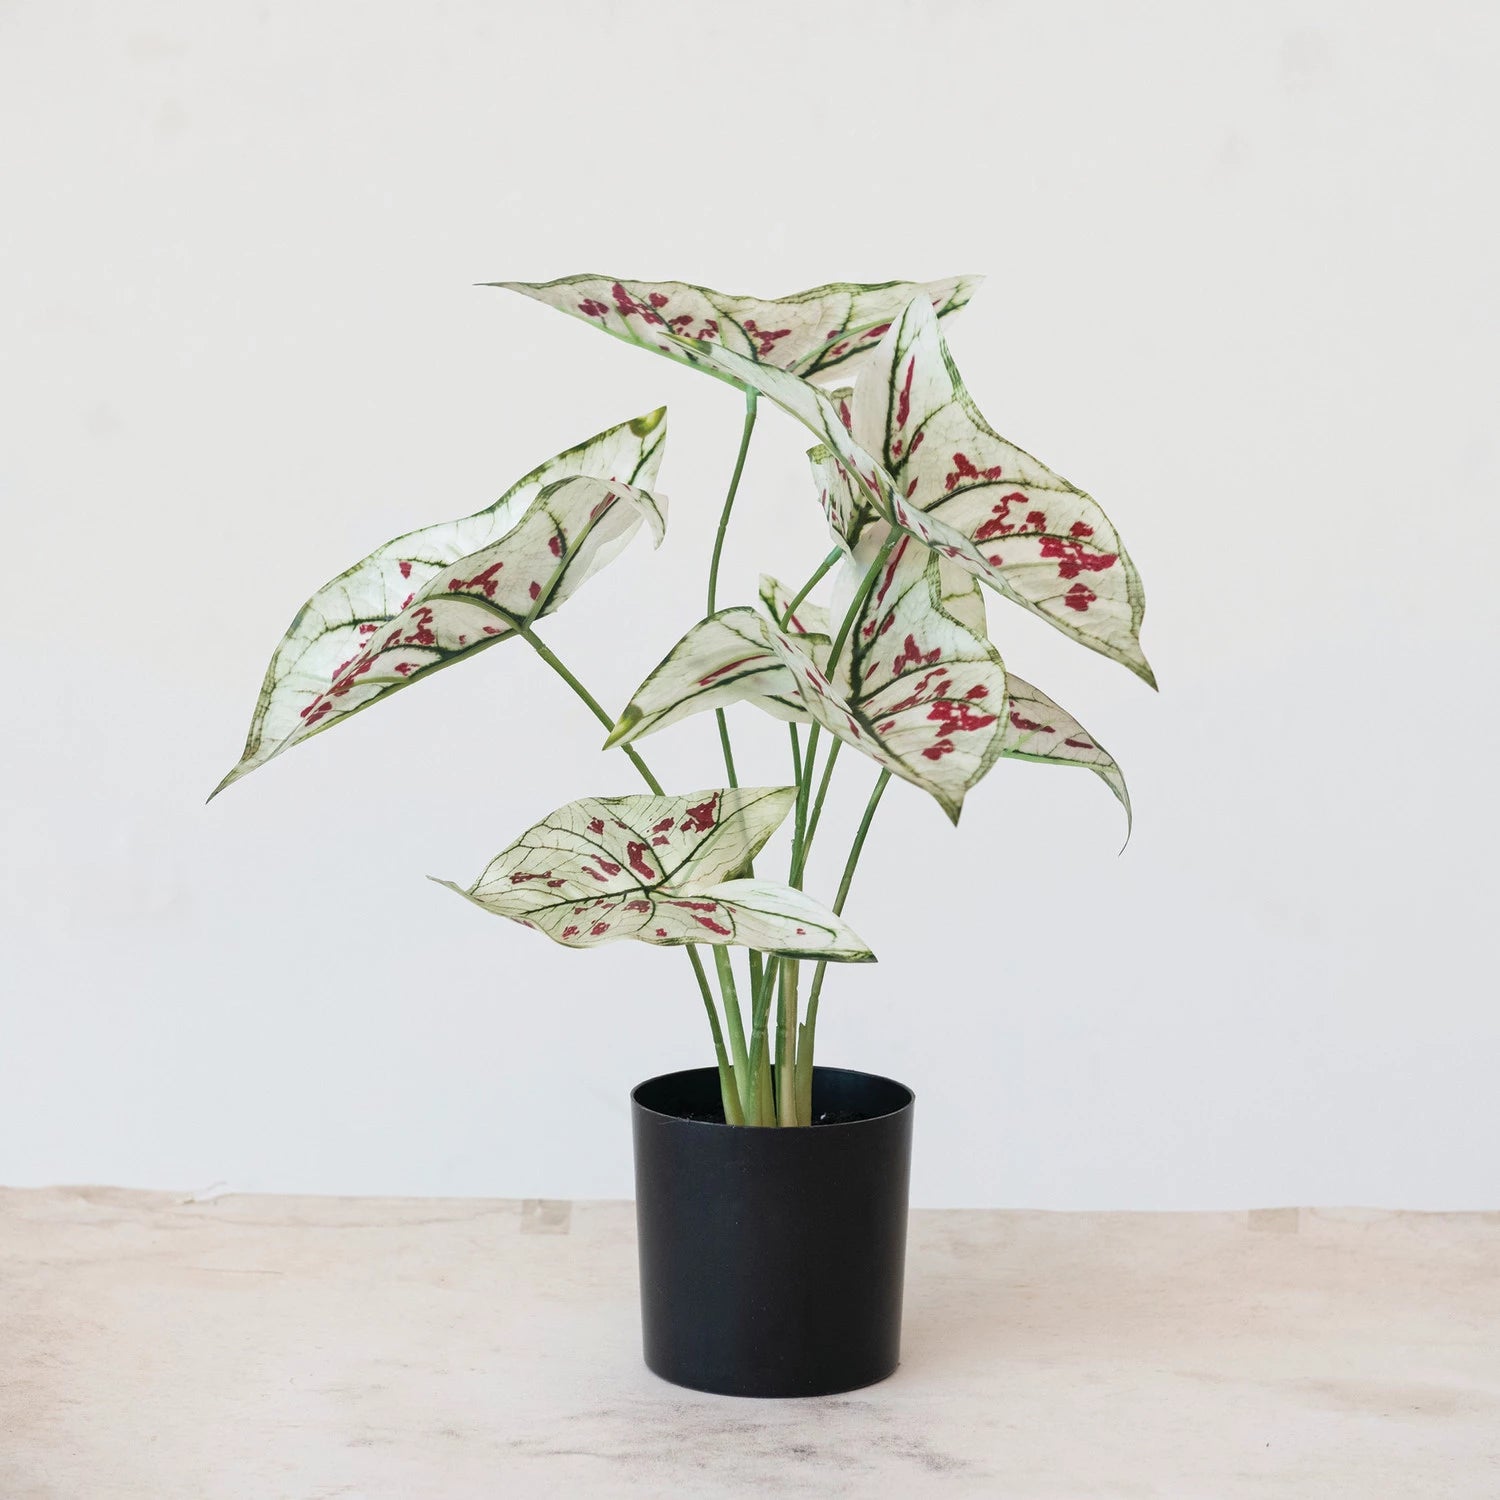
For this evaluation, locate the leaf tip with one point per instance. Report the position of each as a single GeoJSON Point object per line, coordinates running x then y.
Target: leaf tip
{"type": "Point", "coordinates": [642, 426]}
{"type": "Point", "coordinates": [623, 726]}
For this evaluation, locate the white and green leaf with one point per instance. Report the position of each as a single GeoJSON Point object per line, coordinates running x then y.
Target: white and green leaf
{"type": "Point", "coordinates": [1038, 729]}
{"type": "Point", "coordinates": [661, 870]}
{"type": "Point", "coordinates": [727, 658]}
{"type": "Point", "coordinates": [433, 596]}
{"type": "Point", "coordinates": [944, 740]}
{"type": "Point", "coordinates": [985, 503]}
{"type": "Point", "coordinates": [811, 332]}
{"type": "Point", "coordinates": [914, 688]}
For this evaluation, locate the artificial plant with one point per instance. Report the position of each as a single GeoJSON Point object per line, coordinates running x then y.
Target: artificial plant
{"type": "Point", "coordinates": [928, 507]}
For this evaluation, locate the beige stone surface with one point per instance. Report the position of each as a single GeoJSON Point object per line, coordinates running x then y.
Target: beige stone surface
{"type": "Point", "coordinates": [251, 1348]}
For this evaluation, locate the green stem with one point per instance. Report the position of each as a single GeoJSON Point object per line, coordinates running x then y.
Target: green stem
{"type": "Point", "coordinates": [809, 586]}
{"type": "Point", "coordinates": [545, 652]}
{"type": "Point", "coordinates": [810, 1026]}
{"type": "Point", "coordinates": [736, 1024]}
{"type": "Point", "coordinates": [804, 796]}
{"type": "Point", "coordinates": [713, 566]}
{"type": "Point", "coordinates": [857, 603]}
{"type": "Point", "coordinates": [732, 1111]}
{"type": "Point", "coordinates": [817, 807]}
{"type": "Point", "coordinates": [786, 1090]}
{"type": "Point", "coordinates": [733, 1114]}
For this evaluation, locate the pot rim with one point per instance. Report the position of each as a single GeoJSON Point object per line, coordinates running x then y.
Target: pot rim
{"type": "Point", "coordinates": [661, 1114]}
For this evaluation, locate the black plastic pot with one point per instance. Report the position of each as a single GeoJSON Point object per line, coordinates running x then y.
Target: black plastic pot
{"type": "Point", "coordinates": [772, 1259]}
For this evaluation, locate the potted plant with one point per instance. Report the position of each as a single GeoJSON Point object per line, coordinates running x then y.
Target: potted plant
{"type": "Point", "coordinates": [771, 1192]}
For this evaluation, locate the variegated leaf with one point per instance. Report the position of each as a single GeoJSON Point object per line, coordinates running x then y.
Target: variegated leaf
{"type": "Point", "coordinates": [727, 658]}
{"type": "Point", "coordinates": [433, 596]}
{"type": "Point", "coordinates": [915, 689]}
{"type": "Point", "coordinates": [811, 332]}
{"type": "Point", "coordinates": [987, 504]}
{"type": "Point", "coordinates": [764, 670]}
{"type": "Point", "coordinates": [662, 870]}
{"type": "Point", "coordinates": [1038, 729]}
{"type": "Point", "coordinates": [809, 619]}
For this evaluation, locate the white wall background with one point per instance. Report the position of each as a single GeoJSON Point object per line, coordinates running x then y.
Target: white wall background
{"type": "Point", "coordinates": [1242, 287]}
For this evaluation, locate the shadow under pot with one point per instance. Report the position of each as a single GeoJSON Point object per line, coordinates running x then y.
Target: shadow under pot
{"type": "Point", "coordinates": [772, 1259]}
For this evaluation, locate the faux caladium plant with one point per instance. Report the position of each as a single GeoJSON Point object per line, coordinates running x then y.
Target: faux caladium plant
{"type": "Point", "coordinates": [929, 508]}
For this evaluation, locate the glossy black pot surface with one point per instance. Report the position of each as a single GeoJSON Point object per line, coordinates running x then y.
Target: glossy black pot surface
{"type": "Point", "coordinates": [772, 1259]}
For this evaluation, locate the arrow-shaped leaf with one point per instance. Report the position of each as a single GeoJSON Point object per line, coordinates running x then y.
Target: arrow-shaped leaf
{"type": "Point", "coordinates": [434, 596]}
{"type": "Point", "coordinates": [662, 870]}
{"type": "Point", "coordinates": [987, 504]}
{"type": "Point", "coordinates": [811, 332]}
{"type": "Point", "coordinates": [745, 656]}
{"type": "Point", "coordinates": [914, 688]}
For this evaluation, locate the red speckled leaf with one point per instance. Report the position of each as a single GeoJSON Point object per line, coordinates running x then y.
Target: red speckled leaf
{"type": "Point", "coordinates": [433, 596]}
{"type": "Point", "coordinates": [662, 870]}
{"type": "Point", "coordinates": [917, 690]}
{"type": "Point", "coordinates": [984, 502]}
{"type": "Point", "coordinates": [811, 332]}
{"type": "Point", "coordinates": [1037, 729]}
{"type": "Point", "coordinates": [727, 658]}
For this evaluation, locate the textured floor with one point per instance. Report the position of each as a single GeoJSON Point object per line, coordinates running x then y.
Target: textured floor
{"type": "Point", "coordinates": [319, 1347]}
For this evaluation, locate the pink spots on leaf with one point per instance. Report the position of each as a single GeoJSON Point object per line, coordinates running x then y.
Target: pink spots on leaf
{"type": "Point", "coordinates": [568, 932]}
{"type": "Point", "coordinates": [964, 469]}
{"type": "Point", "coordinates": [845, 415]}
{"type": "Point", "coordinates": [368, 628]}
{"type": "Point", "coordinates": [1080, 744]}
{"type": "Point", "coordinates": [875, 333]}
{"type": "Point", "coordinates": [1029, 726]}
{"type": "Point", "coordinates": [911, 656]}
{"type": "Point", "coordinates": [903, 405]}
{"type": "Point", "coordinates": [494, 630]}
{"type": "Point", "coordinates": [638, 906]}
{"type": "Point", "coordinates": [939, 750]}
{"type": "Point", "coordinates": [610, 868]}
{"type": "Point", "coordinates": [701, 818]}
{"type": "Point", "coordinates": [1080, 596]}
{"type": "Point", "coordinates": [727, 667]}
{"type": "Point", "coordinates": [635, 857]}
{"type": "Point", "coordinates": [405, 568]}
{"type": "Point", "coordinates": [596, 825]}
{"type": "Point", "coordinates": [598, 929]}
{"type": "Point", "coordinates": [591, 309]}
{"type": "Point", "coordinates": [658, 299]}
{"type": "Point", "coordinates": [979, 690]}
{"type": "Point", "coordinates": [885, 728]}
{"type": "Point", "coordinates": [315, 711]}
{"type": "Point", "coordinates": [555, 544]}
{"type": "Point", "coordinates": [484, 581]}
{"type": "Point", "coordinates": [627, 306]}
{"type": "Point", "coordinates": [404, 668]}
{"type": "Point", "coordinates": [661, 932]}
{"type": "Point", "coordinates": [535, 590]}
{"type": "Point", "coordinates": [1073, 559]}
{"type": "Point", "coordinates": [999, 523]}
{"type": "Point", "coordinates": [421, 634]}
{"type": "Point", "coordinates": [664, 826]}
{"type": "Point", "coordinates": [765, 338]}
{"type": "Point", "coordinates": [713, 926]}
{"type": "Point", "coordinates": [661, 838]}
{"type": "Point", "coordinates": [1080, 529]}
{"type": "Point", "coordinates": [957, 718]}
{"type": "Point", "coordinates": [697, 905]}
